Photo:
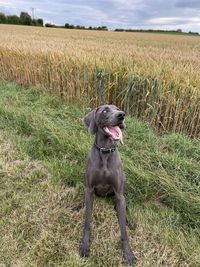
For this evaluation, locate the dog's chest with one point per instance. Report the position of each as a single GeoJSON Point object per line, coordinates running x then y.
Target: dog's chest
{"type": "Point", "coordinates": [104, 169]}
{"type": "Point", "coordinates": [103, 181]}
{"type": "Point", "coordinates": [105, 175]}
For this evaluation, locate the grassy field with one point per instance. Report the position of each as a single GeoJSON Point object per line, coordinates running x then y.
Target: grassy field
{"type": "Point", "coordinates": [43, 151]}
{"type": "Point", "coordinates": [152, 76]}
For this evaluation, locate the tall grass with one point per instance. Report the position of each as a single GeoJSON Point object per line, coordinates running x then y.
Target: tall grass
{"type": "Point", "coordinates": [154, 77]}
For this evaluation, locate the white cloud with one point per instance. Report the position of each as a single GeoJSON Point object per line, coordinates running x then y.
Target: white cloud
{"type": "Point", "coordinates": [172, 20]}
{"type": "Point", "coordinates": [5, 3]}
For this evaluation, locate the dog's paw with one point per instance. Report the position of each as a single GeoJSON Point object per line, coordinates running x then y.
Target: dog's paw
{"type": "Point", "coordinates": [84, 250]}
{"type": "Point", "coordinates": [129, 258]}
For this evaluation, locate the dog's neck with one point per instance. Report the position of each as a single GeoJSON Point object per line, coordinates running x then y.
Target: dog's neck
{"type": "Point", "coordinates": [104, 141]}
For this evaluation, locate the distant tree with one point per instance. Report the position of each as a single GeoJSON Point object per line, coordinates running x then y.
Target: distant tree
{"type": "Point", "coordinates": [119, 30]}
{"type": "Point", "coordinates": [3, 18]}
{"type": "Point", "coordinates": [40, 22]}
{"type": "Point", "coordinates": [179, 30]}
{"type": "Point", "coordinates": [25, 18]}
{"type": "Point", "coordinates": [49, 25]}
{"type": "Point", "coordinates": [34, 22]}
{"type": "Point", "coordinates": [13, 19]}
{"type": "Point", "coordinates": [194, 33]}
{"type": "Point", "coordinates": [67, 25]}
{"type": "Point", "coordinates": [104, 28]}
{"type": "Point", "coordinates": [101, 28]}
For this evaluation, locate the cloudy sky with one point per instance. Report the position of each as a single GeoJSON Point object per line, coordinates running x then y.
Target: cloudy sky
{"type": "Point", "coordinates": [145, 14]}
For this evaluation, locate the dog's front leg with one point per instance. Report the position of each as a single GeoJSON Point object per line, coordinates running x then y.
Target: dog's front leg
{"type": "Point", "coordinates": [121, 208]}
{"type": "Point", "coordinates": [85, 245]}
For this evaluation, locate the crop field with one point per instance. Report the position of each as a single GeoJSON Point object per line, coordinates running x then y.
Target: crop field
{"type": "Point", "coordinates": [152, 76]}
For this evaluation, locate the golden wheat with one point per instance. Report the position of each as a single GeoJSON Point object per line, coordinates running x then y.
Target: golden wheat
{"type": "Point", "coordinates": [152, 76]}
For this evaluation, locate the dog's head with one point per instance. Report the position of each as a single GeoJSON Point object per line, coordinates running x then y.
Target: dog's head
{"type": "Point", "coordinates": [108, 119]}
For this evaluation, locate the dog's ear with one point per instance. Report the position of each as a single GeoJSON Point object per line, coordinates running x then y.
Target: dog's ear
{"type": "Point", "coordinates": [89, 121]}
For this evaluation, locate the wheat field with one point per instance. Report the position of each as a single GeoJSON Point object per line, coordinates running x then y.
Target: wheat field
{"type": "Point", "coordinates": [152, 76]}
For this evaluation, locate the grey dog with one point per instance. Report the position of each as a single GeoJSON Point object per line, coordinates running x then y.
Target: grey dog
{"type": "Point", "coordinates": [104, 174]}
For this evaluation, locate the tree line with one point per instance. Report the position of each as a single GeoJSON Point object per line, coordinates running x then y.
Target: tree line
{"type": "Point", "coordinates": [78, 27]}
{"type": "Point", "coordinates": [178, 31]}
{"type": "Point", "coordinates": [23, 19]}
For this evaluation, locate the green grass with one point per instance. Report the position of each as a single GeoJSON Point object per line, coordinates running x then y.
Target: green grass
{"type": "Point", "coordinates": [43, 152]}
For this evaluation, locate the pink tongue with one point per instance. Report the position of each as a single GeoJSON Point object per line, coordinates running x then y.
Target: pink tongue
{"type": "Point", "coordinates": [115, 133]}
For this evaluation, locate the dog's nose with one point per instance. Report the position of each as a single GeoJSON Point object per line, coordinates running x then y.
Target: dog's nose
{"type": "Point", "coordinates": [121, 115]}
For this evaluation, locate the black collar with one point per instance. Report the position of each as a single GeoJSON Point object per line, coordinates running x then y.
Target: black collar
{"type": "Point", "coordinates": [105, 150]}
